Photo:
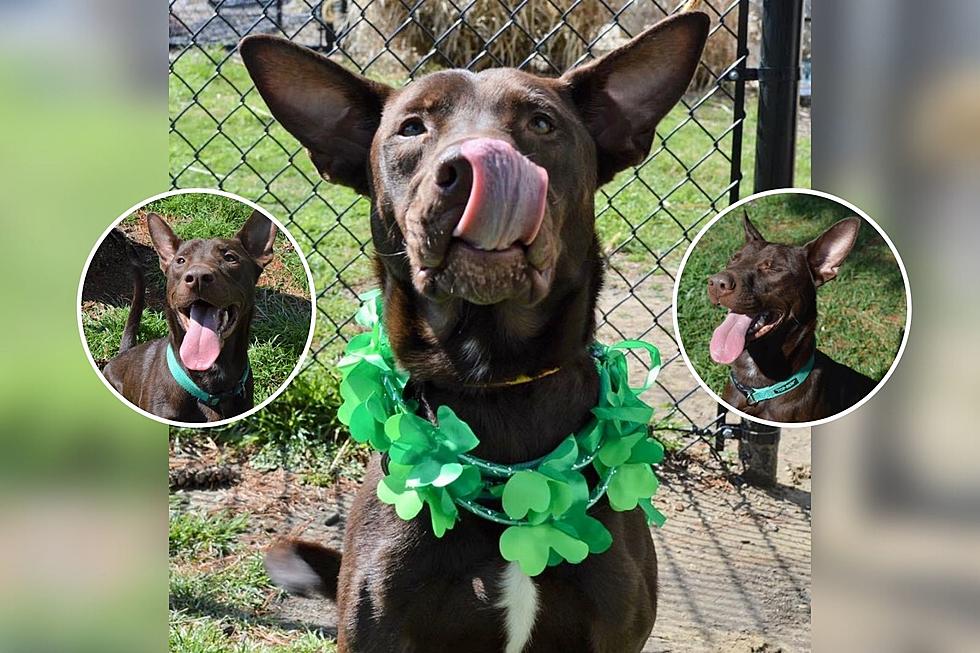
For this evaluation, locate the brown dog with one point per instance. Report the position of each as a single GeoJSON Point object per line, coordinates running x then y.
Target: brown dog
{"type": "Point", "coordinates": [482, 189]}
{"type": "Point", "coordinates": [209, 303]}
{"type": "Point", "coordinates": [770, 290]}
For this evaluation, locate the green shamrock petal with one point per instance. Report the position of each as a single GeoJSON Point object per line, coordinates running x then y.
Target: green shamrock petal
{"type": "Point", "coordinates": [526, 491]}
{"type": "Point", "coordinates": [364, 428]}
{"type": "Point", "coordinates": [562, 458]}
{"type": "Point", "coordinates": [407, 504]}
{"type": "Point", "coordinates": [570, 548]}
{"type": "Point", "coordinates": [468, 484]}
{"type": "Point", "coordinates": [442, 510]}
{"type": "Point", "coordinates": [458, 433]}
{"type": "Point", "coordinates": [629, 484]}
{"type": "Point", "coordinates": [360, 382]}
{"type": "Point", "coordinates": [423, 474]}
{"type": "Point", "coordinates": [647, 451]}
{"type": "Point", "coordinates": [653, 515]}
{"type": "Point", "coordinates": [527, 546]}
{"type": "Point", "coordinates": [562, 496]}
{"type": "Point", "coordinates": [586, 528]}
{"type": "Point", "coordinates": [617, 452]}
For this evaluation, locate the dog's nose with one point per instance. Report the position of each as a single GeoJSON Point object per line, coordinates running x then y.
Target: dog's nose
{"type": "Point", "coordinates": [720, 284]}
{"type": "Point", "coordinates": [454, 178]}
{"type": "Point", "coordinates": [198, 277]}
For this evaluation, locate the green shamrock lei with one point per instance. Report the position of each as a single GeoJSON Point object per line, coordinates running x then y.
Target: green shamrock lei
{"type": "Point", "coordinates": [545, 501]}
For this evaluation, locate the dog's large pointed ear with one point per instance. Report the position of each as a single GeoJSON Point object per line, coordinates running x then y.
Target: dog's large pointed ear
{"type": "Point", "coordinates": [330, 110]}
{"type": "Point", "coordinates": [623, 95]}
{"type": "Point", "coordinates": [165, 241]}
{"type": "Point", "coordinates": [826, 252]}
{"type": "Point", "coordinates": [258, 235]}
{"type": "Point", "coordinates": [751, 233]}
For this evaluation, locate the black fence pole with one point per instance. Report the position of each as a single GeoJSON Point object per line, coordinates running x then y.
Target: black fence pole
{"type": "Point", "coordinates": [775, 151]}
{"type": "Point", "coordinates": [779, 81]}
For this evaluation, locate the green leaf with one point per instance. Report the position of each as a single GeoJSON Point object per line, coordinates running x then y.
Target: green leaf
{"type": "Point", "coordinates": [423, 474]}
{"type": "Point", "coordinates": [407, 504]}
{"type": "Point", "coordinates": [593, 436]}
{"type": "Point", "coordinates": [364, 428]}
{"type": "Point", "coordinates": [361, 382]}
{"type": "Point", "coordinates": [442, 510]}
{"type": "Point", "coordinates": [586, 528]}
{"type": "Point", "coordinates": [410, 438]}
{"type": "Point", "coordinates": [653, 515]}
{"type": "Point", "coordinates": [647, 451]}
{"type": "Point", "coordinates": [568, 547]}
{"type": "Point", "coordinates": [562, 496]}
{"type": "Point", "coordinates": [527, 546]}
{"type": "Point", "coordinates": [345, 410]}
{"type": "Point", "coordinates": [562, 458]}
{"type": "Point", "coordinates": [434, 473]}
{"type": "Point", "coordinates": [468, 484]}
{"type": "Point", "coordinates": [617, 452]}
{"type": "Point", "coordinates": [525, 491]}
{"type": "Point", "coordinates": [459, 436]}
{"type": "Point", "coordinates": [629, 484]}
{"type": "Point", "coordinates": [376, 406]}
{"type": "Point", "coordinates": [637, 414]}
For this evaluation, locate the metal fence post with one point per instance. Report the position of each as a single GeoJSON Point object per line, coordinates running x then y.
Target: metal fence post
{"type": "Point", "coordinates": [779, 81]}
{"type": "Point", "coordinates": [775, 150]}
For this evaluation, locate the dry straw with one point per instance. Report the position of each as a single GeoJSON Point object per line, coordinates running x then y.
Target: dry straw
{"type": "Point", "coordinates": [544, 36]}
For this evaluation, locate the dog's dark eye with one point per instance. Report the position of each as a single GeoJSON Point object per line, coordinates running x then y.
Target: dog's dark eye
{"type": "Point", "coordinates": [180, 260]}
{"type": "Point", "coordinates": [231, 258]}
{"type": "Point", "coordinates": [412, 127]}
{"type": "Point", "coordinates": [541, 124]}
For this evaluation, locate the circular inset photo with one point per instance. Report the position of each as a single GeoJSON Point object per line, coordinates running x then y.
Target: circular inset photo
{"type": "Point", "coordinates": [195, 307]}
{"type": "Point", "coordinates": [792, 307]}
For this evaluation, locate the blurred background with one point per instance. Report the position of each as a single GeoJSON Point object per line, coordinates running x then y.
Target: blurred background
{"type": "Point", "coordinates": [82, 477]}
{"type": "Point", "coordinates": [87, 134]}
{"type": "Point", "coordinates": [896, 90]}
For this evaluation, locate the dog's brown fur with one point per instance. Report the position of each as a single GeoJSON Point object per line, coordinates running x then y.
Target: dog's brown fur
{"type": "Point", "coordinates": [221, 271]}
{"type": "Point", "coordinates": [458, 318]}
{"type": "Point", "coordinates": [782, 280]}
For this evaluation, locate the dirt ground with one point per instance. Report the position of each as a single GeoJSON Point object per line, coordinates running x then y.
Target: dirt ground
{"type": "Point", "coordinates": [734, 560]}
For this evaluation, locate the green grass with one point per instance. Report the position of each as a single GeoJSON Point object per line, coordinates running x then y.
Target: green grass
{"type": "Point", "coordinates": [861, 312]}
{"type": "Point", "coordinates": [282, 311]}
{"type": "Point", "coordinates": [203, 635]}
{"type": "Point", "coordinates": [194, 534]}
{"type": "Point", "coordinates": [219, 588]}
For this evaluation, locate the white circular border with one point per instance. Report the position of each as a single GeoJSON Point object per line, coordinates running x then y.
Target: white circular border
{"type": "Point", "coordinates": [309, 282]}
{"type": "Point", "coordinates": [901, 266]}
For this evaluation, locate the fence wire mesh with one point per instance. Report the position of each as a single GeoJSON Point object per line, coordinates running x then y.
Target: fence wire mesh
{"type": "Point", "coordinates": [222, 135]}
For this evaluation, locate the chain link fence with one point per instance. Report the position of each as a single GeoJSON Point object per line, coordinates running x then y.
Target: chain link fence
{"type": "Point", "coordinates": [222, 135]}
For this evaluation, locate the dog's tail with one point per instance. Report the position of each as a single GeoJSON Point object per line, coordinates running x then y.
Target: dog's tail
{"type": "Point", "coordinates": [303, 568]}
{"type": "Point", "coordinates": [128, 339]}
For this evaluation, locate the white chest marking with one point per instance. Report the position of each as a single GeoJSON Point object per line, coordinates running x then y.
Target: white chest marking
{"type": "Point", "coordinates": [519, 601]}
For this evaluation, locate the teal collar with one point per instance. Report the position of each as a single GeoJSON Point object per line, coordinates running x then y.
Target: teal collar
{"type": "Point", "coordinates": [756, 395]}
{"type": "Point", "coordinates": [184, 380]}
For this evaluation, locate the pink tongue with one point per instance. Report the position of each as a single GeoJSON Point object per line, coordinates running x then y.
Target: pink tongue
{"type": "Point", "coordinates": [507, 199]}
{"type": "Point", "coordinates": [201, 344]}
{"type": "Point", "coordinates": [728, 340]}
